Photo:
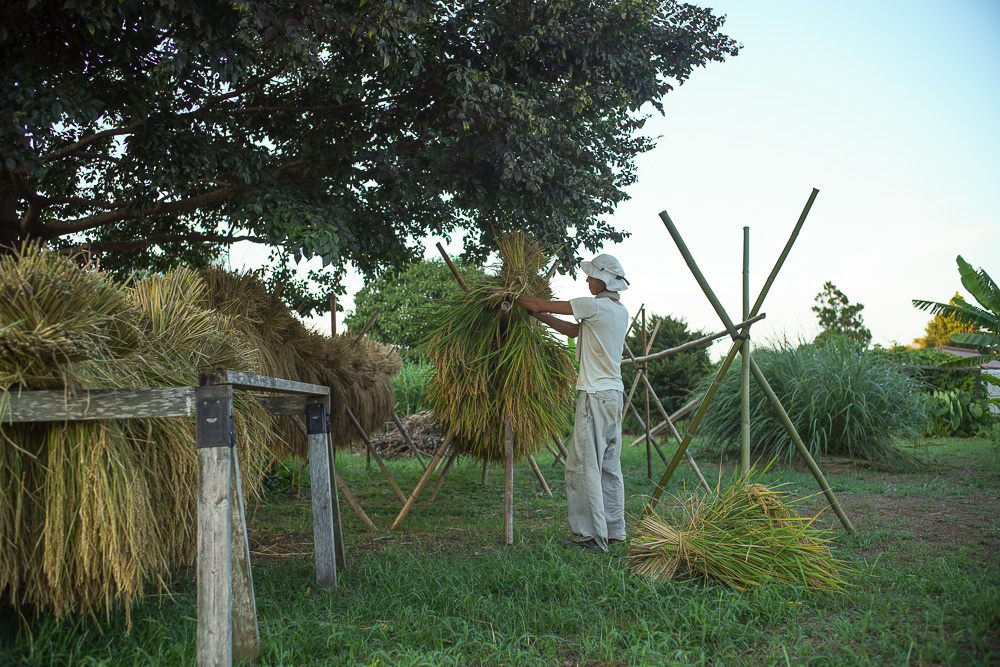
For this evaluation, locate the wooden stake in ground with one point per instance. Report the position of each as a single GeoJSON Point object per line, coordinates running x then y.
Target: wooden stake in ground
{"type": "Point", "coordinates": [374, 454]}
{"type": "Point", "coordinates": [423, 480]}
{"type": "Point", "coordinates": [508, 482]}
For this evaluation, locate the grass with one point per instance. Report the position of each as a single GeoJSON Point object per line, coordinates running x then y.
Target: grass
{"type": "Point", "coordinates": [441, 590]}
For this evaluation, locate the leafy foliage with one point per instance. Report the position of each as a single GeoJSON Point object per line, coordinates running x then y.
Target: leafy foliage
{"type": "Point", "coordinates": [931, 379]}
{"type": "Point", "coordinates": [673, 377]}
{"type": "Point", "coordinates": [940, 329]}
{"type": "Point", "coordinates": [843, 400]}
{"type": "Point", "coordinates": [986, 316]}
{"type": "Point", "coordinates": [957, 413]}
{"type": "Point", "coordinates": [839, 317]}
{"type": "Point", "coordinates": [410, 387]}
{"type": "Point", "coordinates": [161, 132]}
{"type": "Point", "coordinates": [399, 296]}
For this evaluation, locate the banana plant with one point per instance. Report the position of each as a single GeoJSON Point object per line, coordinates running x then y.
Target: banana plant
{"type": "Point", "coordinates": [986, 316]}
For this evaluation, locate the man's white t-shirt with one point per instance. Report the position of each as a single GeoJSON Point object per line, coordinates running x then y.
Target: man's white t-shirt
{"type": "Point", "coordinates": [603, 324]}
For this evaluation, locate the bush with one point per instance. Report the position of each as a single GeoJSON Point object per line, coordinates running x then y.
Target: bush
{"type": "Point", "coordinates": [932, 379]}
{"type": "Point", "coordinates": [957, 413]}
{"type": "Point", "coordinates": [842, 399]}
{"type": "Point", "coordinates": [409, 387]}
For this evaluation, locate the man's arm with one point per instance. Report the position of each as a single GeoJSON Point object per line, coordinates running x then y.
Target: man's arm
{"type": "Point", "coordinates": [541, 309]}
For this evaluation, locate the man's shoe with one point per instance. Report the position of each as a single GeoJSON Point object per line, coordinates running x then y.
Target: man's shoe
{"type": "Point", "coordinates": [589, 545]}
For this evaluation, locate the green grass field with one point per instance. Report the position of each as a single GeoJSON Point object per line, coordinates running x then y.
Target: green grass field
{"type": "Point", "coordinates": [442, 590]}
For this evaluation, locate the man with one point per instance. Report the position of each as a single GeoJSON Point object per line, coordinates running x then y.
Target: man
{"type": "Point", "coordinates": [595, 492]}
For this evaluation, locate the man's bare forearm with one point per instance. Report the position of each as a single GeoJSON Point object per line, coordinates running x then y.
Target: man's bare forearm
{"type": "Point", "coordinates": [571, 329]}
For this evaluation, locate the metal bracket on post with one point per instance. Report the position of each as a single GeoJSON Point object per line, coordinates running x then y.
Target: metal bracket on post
{"type": "Point", "coordinates": [215, 422]}
{"type": "Point", "coordinates": [317, 422]}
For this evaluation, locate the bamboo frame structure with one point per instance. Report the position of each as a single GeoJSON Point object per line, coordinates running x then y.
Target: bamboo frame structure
{"type": "Point", "coordinates": [745, 360]}
{"type": "Point", "coordinates": [739, 337]}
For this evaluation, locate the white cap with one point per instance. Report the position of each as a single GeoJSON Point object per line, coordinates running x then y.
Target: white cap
{"type": "Point", "coordinates": [608, 269]}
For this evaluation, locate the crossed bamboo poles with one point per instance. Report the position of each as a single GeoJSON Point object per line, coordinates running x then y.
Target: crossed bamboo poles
{"type": "Point", "coordinates": [740, 336]}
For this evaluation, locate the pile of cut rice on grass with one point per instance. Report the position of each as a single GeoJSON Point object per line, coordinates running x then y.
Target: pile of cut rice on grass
{"type": "Point", "coordinates": [742, 535]}
{"type": "Point", "coordinates": [493, 361]}
{"type": "Point", "coordinates": [425, 433]}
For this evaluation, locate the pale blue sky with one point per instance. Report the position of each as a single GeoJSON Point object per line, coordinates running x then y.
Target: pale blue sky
{"type": "Point", "coordinates": [889, 108]}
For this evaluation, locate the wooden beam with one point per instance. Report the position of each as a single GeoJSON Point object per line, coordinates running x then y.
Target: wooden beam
{"type": "Point", "coordinates": [262, 382]}
{"type": "Point", "coordinates": [59, 405]}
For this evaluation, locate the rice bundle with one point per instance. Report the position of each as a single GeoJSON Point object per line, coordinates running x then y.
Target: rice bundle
{"type": "Point", "coordinates": [358, 372]}
{"type": "Point", "coordinates": [492, 360]}
{"type": "Point", "coordinates": [742, 535]}
{"type": "Point", "coordinates": [93, 511]}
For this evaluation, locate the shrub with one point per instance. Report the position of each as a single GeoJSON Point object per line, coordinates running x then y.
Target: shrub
{"type": "Point", "coordinates": [409, 386]}
{"type": "Point", "coordinates": [932, 379]}
{"type": "Point", "coordinates": [957, 413]}
{"type": "Point", "coordinates": [842, 399]}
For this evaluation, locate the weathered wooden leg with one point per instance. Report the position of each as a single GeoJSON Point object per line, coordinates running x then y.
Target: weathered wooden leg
{"type": "Point", "coordinates": [215, 560]}
{"type": "Point", "coordinates": [374, 454]}
{"type": "Point", "coordinates": [338, 533]}
{"type": "Point", "coordinates": [444, 473]}
{"type": "Point", "coordinates": [538, 474]}
{"type": "Point", "coordinates": [423, 480]}
{"type": "Point", "coordinates": [324, 541]}
{"type": "Point", "coordinates": [508, 493]}
{"type": "Point", "coordinates": [246, 632]}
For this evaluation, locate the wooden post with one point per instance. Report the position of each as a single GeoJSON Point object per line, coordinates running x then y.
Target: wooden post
{"type": "Point", "coordinates": [408, 440]}
{"type": "Point", "coordinates": [745, 357]}
{"type": "Point", "coordinates": [324, 534]}
{"type": "Point", "coordinates": [539, 475]}
{"type": "Point", "coordinates": [333, 315]}
{"type": "Point", "coordinates": [215, 560]}
{"type": "Point", "coordinates": [508, 482]}
{"type": "Point", "coordinates": [486, 470]}
{"type": "Point", "coordinates": [246, 632]}
{"type": "Point", "coordinates": [338, 532]}
{"type": "Point", "coordinates": [642, 369]}
{"type": "Point", "coordinates": [423, 480]}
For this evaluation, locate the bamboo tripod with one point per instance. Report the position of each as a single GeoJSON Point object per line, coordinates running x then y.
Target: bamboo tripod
{"type": "Point", "coordinates": [442, 452]}
{"type": "Point", "coordinates": [740, 336]}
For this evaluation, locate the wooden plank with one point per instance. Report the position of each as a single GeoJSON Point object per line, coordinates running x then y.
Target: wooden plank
{"type": "Point", "coordinates": [58, 405]}
{"type": "Point", "coordinates": [215, 594]}
{"type": "Point", "coordinates": [246, 632]}
{"type": "Point", "coordinates": [322, 511]}
{"type": "Point", "coordinates": [250, 381]}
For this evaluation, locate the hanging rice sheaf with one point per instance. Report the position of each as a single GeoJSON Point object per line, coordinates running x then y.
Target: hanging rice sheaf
{"type": "Point", "coordinates": [742, 535]}
{"type": "Point", "coordinates": [94, 511]}
{"type": "Point", "coordinates": [493, 361]}
{"type": "Point", "coordinates": [358, 372]}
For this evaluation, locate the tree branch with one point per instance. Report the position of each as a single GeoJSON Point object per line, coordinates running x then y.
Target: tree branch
{"type": "Point", "coordinates": [335, 107]}
{"type": "Point", "coordinates": [124, 212]}
{"type": "Point", "coordinates": [86, 141]}
{"type": "Point", "coordinates": [99, 247]}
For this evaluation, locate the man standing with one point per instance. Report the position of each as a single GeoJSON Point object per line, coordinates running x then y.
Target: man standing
{"type": "Point", "coordinates": [595, 492]}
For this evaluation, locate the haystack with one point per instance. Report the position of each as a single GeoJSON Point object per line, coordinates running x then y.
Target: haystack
{"type": "Point", "coordinates": [742, 536]}
{"type": "Point", "coordinates": [358, 372]}
{"type": "Point", "coordinates": [94, 511]}
{"type": "Point", "coordinates": [492, 361]}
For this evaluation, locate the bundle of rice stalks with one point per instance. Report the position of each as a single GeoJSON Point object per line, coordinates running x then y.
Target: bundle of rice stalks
{"type": "Point", "coordinates": [94, 511]}
{"type": "Point", "coordinates": [493, 361]}
{"type": "Point", "coordinates": [358, 372]}
{"type": "Point", "coordinates": [742, 535]}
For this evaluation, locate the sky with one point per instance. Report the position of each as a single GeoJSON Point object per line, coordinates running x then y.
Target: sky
{"type": "Point", "coordinates": [891, 109]}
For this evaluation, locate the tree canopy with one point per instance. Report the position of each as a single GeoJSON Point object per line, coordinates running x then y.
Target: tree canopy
{"type": "Point", "coordinates": [159, 131]}
{"type": "Point", "coordinates": [941, 327]}
{"type": "Point", "coordinates": [839, 317]}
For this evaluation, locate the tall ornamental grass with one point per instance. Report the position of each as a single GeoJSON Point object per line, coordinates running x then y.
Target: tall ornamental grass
{"type": "Point", "coordinates": [91, 512]}
{"type": "Point", "coordinates": [741, 535]}
{"type": "Point", "coordinates": [492, 361]}
{"type": "Point", "coordinates": [842, 399]}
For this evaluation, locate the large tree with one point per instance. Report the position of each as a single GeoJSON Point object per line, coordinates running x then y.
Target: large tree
{"type": "Point", "coordinates": [840, 318]}
{"type": "Point", "coordinates": [159, 131]}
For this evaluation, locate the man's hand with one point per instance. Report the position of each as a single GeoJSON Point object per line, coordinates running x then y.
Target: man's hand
{"type": "Point", "coordinates": [530, 303]}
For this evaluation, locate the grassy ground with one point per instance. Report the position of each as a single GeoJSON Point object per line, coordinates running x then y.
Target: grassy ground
{"type": "Point", "coordinates": [441, 590]}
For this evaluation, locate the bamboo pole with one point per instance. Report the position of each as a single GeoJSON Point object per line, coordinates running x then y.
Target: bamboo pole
{"type": "Point", "coordinates": [562, 447]}
{"type": "Point", "coordinates": [556, 456]}
{"type": "Point", "coordinates": [539, 475]}
{"type": "Point", "coordinates": [451, 265]}
{"type": "Point", "coordinates": [694, 343]}
{"type": "Point", "coordinates": [642, 425]}
{"type": "Point", "coordinates": [423, 480]}
{"type": "Point", "coordinates": [444, 473]}
{"type": "Point", "coordinates": [486, 469]}
{"type": "Point", "coordinates": [333, 315]}
{"type": "Point", "coordinates": [374, 454]}
{"type": "Point", "coordinates": [674, 417]}
{"type": "Point", "coordinates": [352, 501]}
{"type": "Point", "coordinates": [508, 482]}
{"type": "Point", "coordinates": [745, 359]}
{"type": "Point", "coordinates": [642, 370]}
{"type": "Point", "coordinates": [408, 440]}
{"type": "Point", "coordinates": [739, 338]}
